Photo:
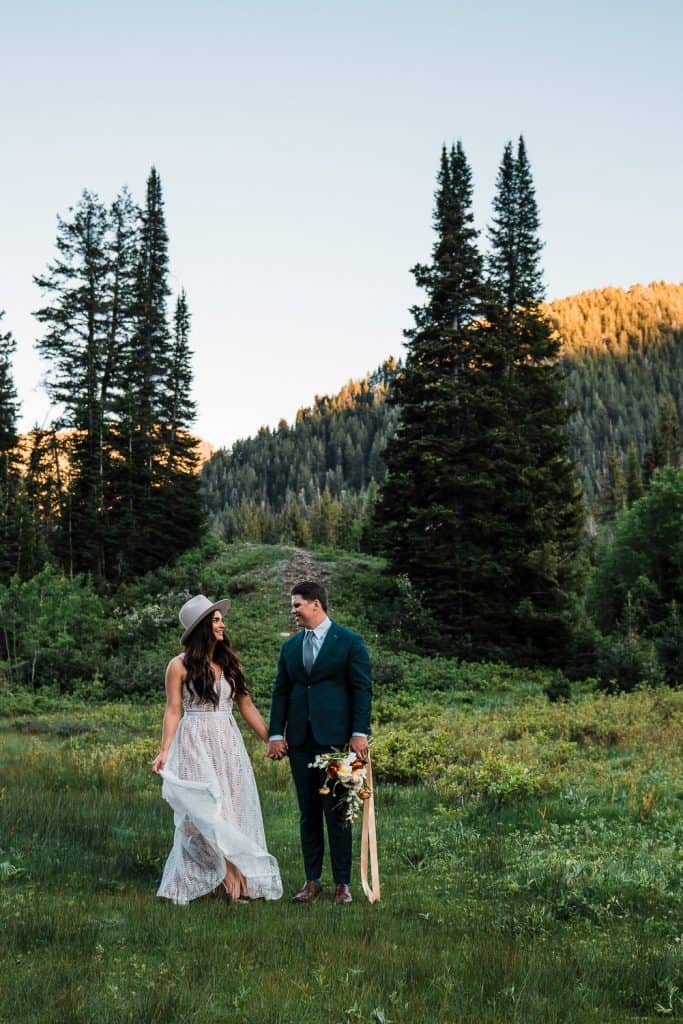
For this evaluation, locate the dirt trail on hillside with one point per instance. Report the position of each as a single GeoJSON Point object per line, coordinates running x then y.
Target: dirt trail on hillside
{"type": "Point", "coordinates": [301, 565]}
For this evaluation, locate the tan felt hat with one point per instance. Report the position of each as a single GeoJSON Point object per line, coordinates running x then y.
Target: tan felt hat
{"type": "Point", "coordinates": [196, 609]}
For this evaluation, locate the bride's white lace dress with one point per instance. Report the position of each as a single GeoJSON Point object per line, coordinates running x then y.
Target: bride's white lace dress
{"type": "Point", "coordinates": [209, 783]}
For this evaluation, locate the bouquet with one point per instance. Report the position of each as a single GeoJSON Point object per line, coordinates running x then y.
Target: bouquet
{"type": "Point", "coordinates": [345, 776]}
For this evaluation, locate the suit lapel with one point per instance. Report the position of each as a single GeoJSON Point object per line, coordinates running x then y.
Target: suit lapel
{"type": "Point", "coordinates": [328, 649]}
{"type": "Point", "coordinates": [297, 660]}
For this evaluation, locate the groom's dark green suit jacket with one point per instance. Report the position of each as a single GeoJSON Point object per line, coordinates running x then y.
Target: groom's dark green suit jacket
{"type": "Point", "coordinates": [335, 698]}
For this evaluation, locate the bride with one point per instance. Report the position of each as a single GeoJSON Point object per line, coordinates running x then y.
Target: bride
{"type": "Point", "coordinates": [219, 843]}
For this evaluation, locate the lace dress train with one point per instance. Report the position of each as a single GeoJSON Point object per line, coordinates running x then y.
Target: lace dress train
{"type": "Point", "coordinates": [209, 782]}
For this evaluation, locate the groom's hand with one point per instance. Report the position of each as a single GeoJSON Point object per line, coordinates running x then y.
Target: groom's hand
{"type": "Point", "coordinates": [359, 745]}
{"type": "Point", "coordinates": [277, 749]}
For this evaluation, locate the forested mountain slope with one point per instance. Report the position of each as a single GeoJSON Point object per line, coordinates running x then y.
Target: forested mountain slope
{"type": "Point", "coordinates": [337, 443]}
{"type": "Point", "coordinates": [622, 352]}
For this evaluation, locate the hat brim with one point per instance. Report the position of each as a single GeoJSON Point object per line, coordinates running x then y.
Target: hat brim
{"type": "Point", "coordinates": [221, 606]}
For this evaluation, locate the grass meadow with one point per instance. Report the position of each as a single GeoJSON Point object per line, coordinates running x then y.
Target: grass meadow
{"type": "Point", "coordinates": [531, 856]}
{"type": "Point", "coordinates": [560, 906]}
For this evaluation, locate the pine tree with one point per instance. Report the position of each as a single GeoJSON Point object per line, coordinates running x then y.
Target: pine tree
{"type": "Point", "coordinates": [666, 447]}
{"type": "Point", "coordinates": [181, 494]}
{"type": "Point", "coordinates": [115, 453]}
{"type": "Point", "coordinates": [633, 477]}
{"type": "Point", "coordinates": [45, 482]}
{"type": "Point", "coordinates": [528, 247]}
{"type": "Point", "coordinates": [143, 527]}
{"type": "Point", "coordinates": [613, 495]}
{"type": "Point", "coordinates": [535, 518]}
{"type": "Point", "coordinates": [21, 549]}
{"type": "Point", "coordinates": [502, 262]}
{"type": "Point", "coordinates": [328, 518]}
{"type": "Point", "coordinates": [8, 473]}
{"type": "Point", "coordinates": [349, 527]}
{"type": "Point", "coordinates": [514, 261]}
{"type": "Point", "coordinates": [76, 345]}
{"type": "Point", "coordinates": [9, 405]}
{"type": "Point", "coordinates": [130, 496]}
{"type": "Point", "coordinates": [293, 525]}
{"type": "Point", "coordinates": [178, 410]}
{"type": "Point", "coordinates": [419, 514]}
{"type": "Point", "coordinates": [480, 507]}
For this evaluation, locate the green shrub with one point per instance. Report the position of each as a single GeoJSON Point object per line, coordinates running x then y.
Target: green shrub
{"type": "Point", "coordinates": [643, 563]}
{"type": "Point", "coordinates": [22, 701]}
{"type": "Point", "coordinates": [413, 750]}
{"type": "Point", "coordinates": [495, 778]}
{"type": "Point", "coordinates": [141, 674]}
{"type": "Point", "coordinates": [558, 688]}
{"type": "Point", "coordinates": [627, 662]}
{"type": "Point", "coordinates": [53, 630]}
{"type": "Point", "coordinates": [669, 646]}
{"type": "Point", "coordinates": [387, 669]}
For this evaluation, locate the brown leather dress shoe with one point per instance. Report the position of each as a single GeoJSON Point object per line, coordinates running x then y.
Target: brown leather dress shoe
{"type": "Point", "coordinates": [310, 892]}
{"type": "Point", "coordinates": [342, 895]}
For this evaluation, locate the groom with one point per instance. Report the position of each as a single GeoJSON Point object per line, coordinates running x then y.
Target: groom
{"type": "Point", "coordinates": [321, 700]}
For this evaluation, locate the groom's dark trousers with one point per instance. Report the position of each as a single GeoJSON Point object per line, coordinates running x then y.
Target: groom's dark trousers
{"type": "Point", "coordinates": [313, 808]}
{"type": "Point", "coordinates": [317, 712]}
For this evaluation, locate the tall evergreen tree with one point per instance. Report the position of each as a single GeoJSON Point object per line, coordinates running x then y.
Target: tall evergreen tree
{"type": "Point", "coordinates": [45, 482]}
{"type": "Point", "coordinates": [421, 512]}
{"type": "Point", "coordinates": [666, 447]}
{"type": "Point", "coordinates": [21, 549]}
{"type": "Point", "coordinates": [143, 534]}
{"type": "Point", "coordinates": [480, 506]}
{"type": "Point", "coordinates": [613, 497]}
{"type": "Point", "coordinates": [8, 440]}
{"type": "Point", "coordinates": [514, 262]}
{"type": "Point", "coordinates": [535, 523]}
{"type": "Point", "coordinates": [9, 405]}
{"type": "Point", "coordinates": [633, 482]}
{"type": "Point", "coordinates": [76, 345]}
{"type": "Point", "coordinates": [123, 259]}
{"type": "Point", "coordinates": [180, 479]}
{"type": "Point", "coordinates": [178, 409]}
{"type": "Point", "coordinates": [122, 385]}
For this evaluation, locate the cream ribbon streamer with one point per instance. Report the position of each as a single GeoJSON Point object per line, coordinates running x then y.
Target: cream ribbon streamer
{"type": "Point", "coordinates": [368, 842]}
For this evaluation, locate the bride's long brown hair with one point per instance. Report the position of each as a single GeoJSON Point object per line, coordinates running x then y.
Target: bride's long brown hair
{"type": "Point", "coordinates": [201, 647]}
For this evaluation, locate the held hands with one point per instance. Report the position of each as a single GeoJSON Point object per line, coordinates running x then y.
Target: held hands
{"type": "Point", "coordinates": [277, 749]}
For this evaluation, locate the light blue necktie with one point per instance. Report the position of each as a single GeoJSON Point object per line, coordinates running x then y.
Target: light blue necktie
{"type": "Point", "coordinates": [308, 651]}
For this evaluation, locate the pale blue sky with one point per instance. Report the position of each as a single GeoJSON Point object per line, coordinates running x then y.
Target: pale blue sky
{"type": "Point", "coordinates": [298, 144]}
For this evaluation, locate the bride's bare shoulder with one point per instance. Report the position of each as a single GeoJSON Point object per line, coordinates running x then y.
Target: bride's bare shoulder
{"type": "Point", "coordinates": [176, 668]}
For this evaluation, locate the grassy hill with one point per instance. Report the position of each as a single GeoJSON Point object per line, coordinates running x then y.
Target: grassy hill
{"type": "Point", "coordinates": [529, 850]}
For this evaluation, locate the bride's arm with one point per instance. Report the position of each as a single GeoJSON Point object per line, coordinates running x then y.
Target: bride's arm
{"type": "Point", "coordinates": [252, 716]}
{"type": "Point", "coordinates": [174, 710]}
